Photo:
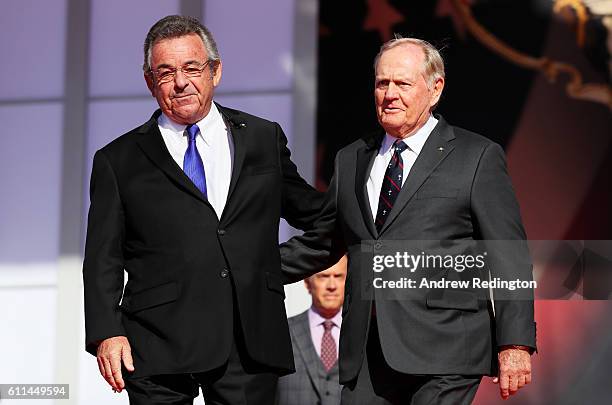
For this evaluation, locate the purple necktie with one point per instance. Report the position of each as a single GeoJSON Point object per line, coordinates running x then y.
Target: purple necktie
{"type": "Point", "coordinates": [328, 346]}
{"type": "Point", "coordinates": [192, 162]}
{"type": "Point", "coordinates": [392, 184]}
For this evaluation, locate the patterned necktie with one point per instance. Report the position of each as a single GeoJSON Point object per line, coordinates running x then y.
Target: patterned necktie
{"type": "Point", "coordinates": [392, 184]}
{"type": "Point", "coordinates": [328, 346]}
{"type": "Point", "coordinates": [192, 162]}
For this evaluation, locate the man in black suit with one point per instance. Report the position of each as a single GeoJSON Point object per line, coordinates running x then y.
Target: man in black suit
{"type": "Point", "coordinates": [189, 204]}
{"type": "Point", "coordinates": [422, 181]}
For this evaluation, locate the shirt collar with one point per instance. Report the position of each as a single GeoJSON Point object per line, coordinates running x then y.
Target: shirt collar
{"type": "Point", "coordinates": [315, 319]}
{"type": "Point", "coordinates": [205, 124]}
{"type": "Point", "coordinates": [415, 142]}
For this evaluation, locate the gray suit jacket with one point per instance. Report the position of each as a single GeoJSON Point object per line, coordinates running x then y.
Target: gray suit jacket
{"type": "Point", "coordinates": [310, 384]}
{"type": "Point", "coordinates": [458, 190]}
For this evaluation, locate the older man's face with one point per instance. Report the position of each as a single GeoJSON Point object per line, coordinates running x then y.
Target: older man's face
{"type": "Point", "coordinates": [403, 100]}
{"type": "Point", "coordinates": [185, 100]}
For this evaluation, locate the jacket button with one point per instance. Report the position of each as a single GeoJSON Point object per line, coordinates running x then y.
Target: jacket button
{"type": "Point", "coordinates": [220, 232]}
{"type": "Point", "coordinates": [224, 273]}
{"type": "Point", "coordinates": [377, 245]}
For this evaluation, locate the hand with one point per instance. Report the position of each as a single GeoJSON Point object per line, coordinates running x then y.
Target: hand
{"type": "Point", "coordinates": [514, 370]}
{"type": "Point", "coordinates": [111, 352]}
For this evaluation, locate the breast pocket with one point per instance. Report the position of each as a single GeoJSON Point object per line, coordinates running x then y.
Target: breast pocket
{"type": "Point", "coordinates": [260, 170]}
{"type": "Point", "coordinates": [432, 192]}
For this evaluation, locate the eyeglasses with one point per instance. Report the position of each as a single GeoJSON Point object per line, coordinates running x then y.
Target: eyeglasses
{"type": "Point", "coordinates": [167, 74]}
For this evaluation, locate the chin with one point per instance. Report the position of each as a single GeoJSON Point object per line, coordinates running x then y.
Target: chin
{"type": "Point", "coordinates": [391, 129]}
{"type": "Point", "coordinates": [392, 122]}
{"type": "Point", "coordinates": [190, 116]}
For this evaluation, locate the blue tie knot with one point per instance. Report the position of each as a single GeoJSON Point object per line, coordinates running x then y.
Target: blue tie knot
{"type": "Point", "coordinates": [192, 130]}
{"type": "Point", "coordinates": [400, 146]}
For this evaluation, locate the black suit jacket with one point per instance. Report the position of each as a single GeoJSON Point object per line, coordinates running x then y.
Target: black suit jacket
{"type": "Point", "coordinates": [189, 271]}
{"type": "Point", "coordinates": [457, 190]}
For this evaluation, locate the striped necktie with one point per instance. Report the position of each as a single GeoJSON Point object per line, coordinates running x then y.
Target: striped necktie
{"type": "Point", "coordinates": [392, 184]}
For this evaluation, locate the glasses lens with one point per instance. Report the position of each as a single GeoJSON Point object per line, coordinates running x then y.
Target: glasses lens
{"type": "Point", "coordinates": [165, 75]}
{"type": "Point", "coordinates": [192, 70]}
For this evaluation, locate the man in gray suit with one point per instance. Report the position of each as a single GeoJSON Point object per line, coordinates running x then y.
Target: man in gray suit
{"type": "Point", "coordinates": [422, 181]}
{"type": "Point", "coordinates": [314, 336]}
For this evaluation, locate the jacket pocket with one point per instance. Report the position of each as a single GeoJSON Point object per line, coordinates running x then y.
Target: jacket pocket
{"type": "Point", "coordinates": [450, 299]}
{"type": "Point", "coordinates": [274, 283]}
{"type": "Point", "coordinates": [151, 297]}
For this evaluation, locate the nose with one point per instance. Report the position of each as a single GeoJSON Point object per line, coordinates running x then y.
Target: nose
{"type": "Point", "coordinates": [392, 92]}
{"type": "Point", "coordinates": [180, 81]}
{"type": "Point", "coordinates": [332, 285]}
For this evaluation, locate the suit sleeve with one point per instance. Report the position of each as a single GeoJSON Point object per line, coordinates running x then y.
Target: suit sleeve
{"type": "Point", "coordinates": [318, 248]}
{"type": "Point", "coordinates": [301, 204]}
{"type": "Point", "coordinates": [498, 224]}
{"type": "Point", "coordinates": [103, 263]}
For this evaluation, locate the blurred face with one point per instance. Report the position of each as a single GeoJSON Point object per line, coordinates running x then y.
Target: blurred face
{"type": "Point", "coordinates": [187, 98]}
{"type": "Point", "coordinates": [403, 100]}
{"type": "Point", "coordinates": [327, 289]}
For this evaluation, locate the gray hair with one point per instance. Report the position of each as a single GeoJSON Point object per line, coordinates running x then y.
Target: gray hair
{"type": "Point", "coordinates": [433, 64]}
{"type": "Point", "coordinates": [174, 26]}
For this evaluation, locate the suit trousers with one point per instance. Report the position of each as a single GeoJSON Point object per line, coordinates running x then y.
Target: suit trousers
{"type": "Point", "coordinates": [240, 381]}
{"type": "Point", "coordinates": [237, 382]}
{"type": "Point", "coordinates": [377, 383]}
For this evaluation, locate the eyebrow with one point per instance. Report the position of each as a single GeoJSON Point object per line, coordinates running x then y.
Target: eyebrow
{"type": "Point", "coordinates": [396, 79]}
{"type": "Point", "coordinates": [162, 65]}
{"type": "Point", "coordinates": [166, 65]}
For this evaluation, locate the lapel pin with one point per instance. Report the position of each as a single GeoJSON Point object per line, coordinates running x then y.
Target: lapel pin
{"type": "Point", "coordinates": [440, 149]}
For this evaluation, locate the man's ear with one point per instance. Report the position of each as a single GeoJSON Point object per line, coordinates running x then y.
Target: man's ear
{"type": "Point", "coordinates": [150, 82]}
{"type": "Point", "coordinates": [217, 70]}
{"type": "Point", "coordinates": [437, 91]}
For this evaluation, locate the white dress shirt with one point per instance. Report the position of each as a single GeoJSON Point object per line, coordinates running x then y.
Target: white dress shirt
{"type": "Point", "coordinates": [216, 148]}
{"type": "Point", "coordinates": [317, 329]}
{"type": "Point", "coordinates": [414, 142]}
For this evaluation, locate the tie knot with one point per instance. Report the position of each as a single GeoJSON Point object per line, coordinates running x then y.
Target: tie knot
{"type": "Point", "coordinates": [192, 131]}
{"type": "Point", "coordinates": [400, 146]}
{"type": "Point", "coordinates": [328, 324]}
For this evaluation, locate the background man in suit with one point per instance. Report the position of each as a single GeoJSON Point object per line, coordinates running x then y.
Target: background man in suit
{"type": "Point", "coordinates": [189, 205]}
{"type": "Point", "coordinates": [422, 180]}
{"type": "Point", "coordinates": [315, 334]}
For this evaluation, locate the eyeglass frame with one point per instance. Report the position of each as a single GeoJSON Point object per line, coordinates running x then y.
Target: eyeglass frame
{"type": "Point", "coordinates": [173, 71]}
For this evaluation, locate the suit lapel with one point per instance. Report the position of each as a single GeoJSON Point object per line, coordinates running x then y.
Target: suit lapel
{"type": "Point", "coordinates": [239, 131]}
{"type": "Point", "coordinates": [152, 144]}
{"type": "Point", "coordinates": [365, 160]}
{"type": "Point", "coordinates": [307, 351]}
{"type": "Point", "coordinates": [436, 149]}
